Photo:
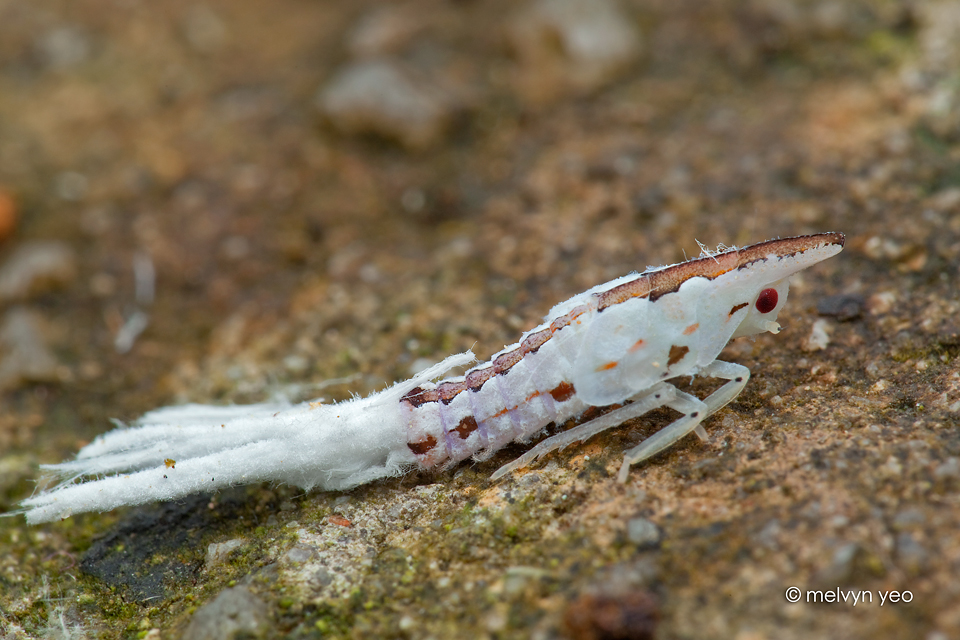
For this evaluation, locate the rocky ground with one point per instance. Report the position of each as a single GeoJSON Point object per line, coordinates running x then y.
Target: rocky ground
{"type": "Point", "coordinates": [220, 202]}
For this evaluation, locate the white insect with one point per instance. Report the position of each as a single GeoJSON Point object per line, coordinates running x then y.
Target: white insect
{"type": "Point", "coordinates": [617, 344]}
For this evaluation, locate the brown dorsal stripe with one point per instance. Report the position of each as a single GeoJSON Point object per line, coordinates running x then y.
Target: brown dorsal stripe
{"type": "Point", "coordinates": [477, 377]}
{"type": "Point", "coordinates": [786, 247]}
{"type": "Point", "coordinates": [562, 392]}
{"type": "Point", "coordinates": [505, 361]}
{"type": "Point", "coordinates": [418, 396]}
{"type": "Point", "coordinates": [567, 319]}
{"type": "Point", "coordinates": [663, 281]}
{"type": "Point", "coordinates": [737, 307]}
{"type": "Point", "coordinates": [447, 391]}
{"type": "Point", "coordinates": [655, 284]}
{"type": "Point", "coordinates": [467, 426]}
{"type": "Point", "coordinates": [424, 446]}
{"type": "Point", "coordinates": [669, 280]}
{"type": "Point", "coordinates": [534, 341]}
{"type": "Point", "coordinates": [639, 288]}
{"type": "Point", "coordinates": [676, 354]}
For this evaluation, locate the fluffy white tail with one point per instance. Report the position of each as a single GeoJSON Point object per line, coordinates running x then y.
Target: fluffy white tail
{"type": "Point", "coordinates": [177, 451]}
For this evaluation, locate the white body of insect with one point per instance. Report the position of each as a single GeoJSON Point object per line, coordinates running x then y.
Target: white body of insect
{"type": "Point", "coordinates": [618, 343]}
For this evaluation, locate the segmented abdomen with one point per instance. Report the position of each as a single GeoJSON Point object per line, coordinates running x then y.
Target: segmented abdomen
{"type": "Point", "coordinates": [514, 396]}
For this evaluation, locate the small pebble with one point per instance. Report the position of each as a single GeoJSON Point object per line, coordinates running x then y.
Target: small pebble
{"type": "Point", "coordinates": [384, 30]}
{"type": "Point", "coordinates": [843, 566]}
{"type": "Point", "coordinates": [643, 532]}
{"type": "Point", "coordinates": [219, 551]}
{"type": "Point", "coordinates": [383, 98]}
{"type": "Point", "coordinates": [819, 336]}
{"type": "Point", "coordinates": [24, 354]}
{"type": "Point", "coordinates": [881, 303]}
{"type": "Point", "coordinates": [37, 267]}
{"type": "Point", "coordinates": [234, 613]}
{"type": "Point", "coordinates": [585, 42]}
{"type": "Point", "coordinates": [71, 186]}
{"type": "Point", "coordinates": [909, 518]}
{"type": "Point", "coordinates": [910, 554]}
{"type": "Point", "coordinates": [203, 29]}
{"type": "Point", "coordinates": [300, 554]}
{"type": "Point", "coordinates": [63, 47]}
{"type": "Point", "coordinates": [946, 200]}
{"type": "Point", "coordinates": [948, 470]}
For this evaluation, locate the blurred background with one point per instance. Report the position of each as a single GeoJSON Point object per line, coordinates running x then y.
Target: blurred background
{"type": "Point", "coordinates": [220, 201]}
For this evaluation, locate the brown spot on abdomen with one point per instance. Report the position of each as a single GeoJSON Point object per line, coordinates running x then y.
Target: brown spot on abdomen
{"type": "Point", "coordinates": [676, 354]}
{"type": "Point", "coordinates": [562, 392]}
{"type": "Point", "coordinates": [424, 446]}
{"type": "Point", "coordinates": [467, 426]}
{"type": "Point", "coordinates": [736, 308]}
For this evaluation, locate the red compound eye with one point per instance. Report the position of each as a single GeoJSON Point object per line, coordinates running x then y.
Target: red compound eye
{"type": "Point", "coordinates": [767, 300]}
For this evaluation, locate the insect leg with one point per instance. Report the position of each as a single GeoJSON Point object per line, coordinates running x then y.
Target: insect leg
{"type": "Point", "coordinates": [694, 409]}
{"type": "Point", "coordinates": [737, 374]}
{"type": "Point", "coordinates": [657, 396]}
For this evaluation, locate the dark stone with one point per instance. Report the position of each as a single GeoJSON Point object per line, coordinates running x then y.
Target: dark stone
{"type": "Point", "coordinates": [843, 307]}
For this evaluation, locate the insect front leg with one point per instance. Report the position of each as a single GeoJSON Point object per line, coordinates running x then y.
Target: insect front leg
{"type": "Point", "coordinates": [659, 395]}
{"type": "Point", "coordinates": [737, 374]}
{"type": "Point", "coordinates": [694, 410]}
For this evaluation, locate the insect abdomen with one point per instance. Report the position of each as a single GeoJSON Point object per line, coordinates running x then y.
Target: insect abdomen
{"type": "Point", "coordinates": [513, 397]}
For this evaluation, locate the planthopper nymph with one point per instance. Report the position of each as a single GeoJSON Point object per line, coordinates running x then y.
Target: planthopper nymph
{"type": "Point", "coordinates": [619, 343]}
